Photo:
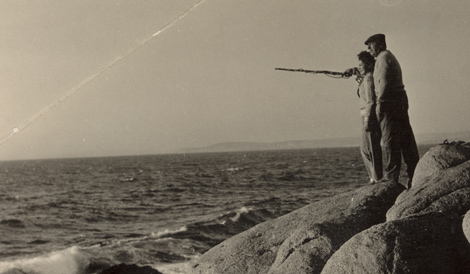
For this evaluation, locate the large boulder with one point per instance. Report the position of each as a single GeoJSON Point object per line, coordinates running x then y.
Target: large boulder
{"type": "Point", "coordinates": [308, 248]}
{"type": "Point", "coordinates": [440, 158]}
{"type": "Point", "coordinates": [313, 233]}
{"type": "Point", "coordinates": [441, 183]}
{"type": "Point", "coordinates": [429, 243]}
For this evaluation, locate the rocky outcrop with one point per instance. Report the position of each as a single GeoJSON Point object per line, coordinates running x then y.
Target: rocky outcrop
{"type": "Point", "coordinates": [283, 245]}
{"type": "Point", "coordinates": [441, 183]}
{"type": "Point", "coordinates": [374, 229]}
{"type": "Point", "coordinates": [429, 243]}
{"type": "Point", "coordinates": [440, 158]}
{"type": "Point", "coordinates": [308, 248]}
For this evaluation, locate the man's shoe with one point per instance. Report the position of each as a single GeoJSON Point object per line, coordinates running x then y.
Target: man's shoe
{"type": "Point", "coordinates": [374, 181]}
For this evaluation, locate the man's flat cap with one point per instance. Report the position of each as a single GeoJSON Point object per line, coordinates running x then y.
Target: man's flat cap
{"type": "Point", "coordinates": [376, 38]}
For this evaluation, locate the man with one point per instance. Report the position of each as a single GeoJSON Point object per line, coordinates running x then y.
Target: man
{"type": "Point", "coordinates": [392, 111]}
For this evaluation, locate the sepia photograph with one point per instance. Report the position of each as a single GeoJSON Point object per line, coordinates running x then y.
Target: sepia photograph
{"type": "Point", "coordinates": [234, 137]}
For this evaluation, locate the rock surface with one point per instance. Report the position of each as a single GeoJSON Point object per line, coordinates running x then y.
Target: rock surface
{"type": "Point", "coordinates": [322, 226]}
{"type": "Point", "coordinates": [440, 158]}
{"type": "Point", "coordinates": [466, 225]}
{"type": "Point", "coordinates": [373, 229]}
{"type": "Point", "coordinates": [441, 183]}
{"type": "Point", "coordinates": [429, 243]}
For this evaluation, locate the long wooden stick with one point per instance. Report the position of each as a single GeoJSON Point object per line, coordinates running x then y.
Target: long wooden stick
{"type": "Point", "coordinates": [312, 71]}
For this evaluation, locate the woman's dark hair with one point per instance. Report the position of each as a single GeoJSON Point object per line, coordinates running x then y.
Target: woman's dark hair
{"type": "Point", "coordinates": [367, 59]}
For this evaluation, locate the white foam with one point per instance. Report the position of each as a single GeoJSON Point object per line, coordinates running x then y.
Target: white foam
{"type": "Point", "coordinates": [240, 212]}
{"type": "Point", "coordinates": [69, 261]}
{"type": "Point", "coordinates": [177, 268]}
{"type": "Point", "coordinates": [167, 232]}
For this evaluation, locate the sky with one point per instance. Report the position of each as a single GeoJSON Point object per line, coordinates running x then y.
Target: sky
{"type": "Point", "coordinates": [85, 78]}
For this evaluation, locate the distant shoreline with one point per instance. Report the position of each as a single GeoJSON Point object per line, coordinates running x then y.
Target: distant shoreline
{"type": "Point", "coordinates": [422, 139]}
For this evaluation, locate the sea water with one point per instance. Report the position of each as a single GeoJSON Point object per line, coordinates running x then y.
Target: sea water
{"type": "Point", "coordinates": [79, 216]}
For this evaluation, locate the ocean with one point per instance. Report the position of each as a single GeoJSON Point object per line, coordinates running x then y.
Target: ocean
{"type": "Point", "coordinates": [79, 216]}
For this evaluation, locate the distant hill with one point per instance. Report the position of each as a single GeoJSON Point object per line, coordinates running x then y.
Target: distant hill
{"type": "Point", "coordinates": [253, 146]}
{"type": "Point", "coordinates": [431, 138]}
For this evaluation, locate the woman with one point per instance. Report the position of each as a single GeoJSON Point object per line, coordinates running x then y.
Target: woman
{"type": "Point", "coordinates": [370, 147]}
